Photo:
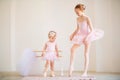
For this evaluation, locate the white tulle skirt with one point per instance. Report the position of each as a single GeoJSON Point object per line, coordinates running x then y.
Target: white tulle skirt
{"type": "Point", "coordinates": [26, 62]}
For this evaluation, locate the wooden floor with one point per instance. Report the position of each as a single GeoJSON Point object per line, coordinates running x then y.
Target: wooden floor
{"type": "Point", "coordinates": [75, 76]}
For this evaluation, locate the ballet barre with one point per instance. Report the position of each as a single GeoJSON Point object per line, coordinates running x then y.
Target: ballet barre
{"type": "Point", "coordinates": [45, 51]}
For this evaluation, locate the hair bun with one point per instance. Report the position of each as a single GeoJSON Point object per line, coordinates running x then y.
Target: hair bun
{"type": "Point", "coordinates": [80, 6]}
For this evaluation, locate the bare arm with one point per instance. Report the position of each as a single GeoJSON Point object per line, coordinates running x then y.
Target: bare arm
{"type": "Point", "coordinates": [56, 50]}
{"type": "Point", "coordinates": [44, 49]}
{"type": "Point", "coordinates": [90, 27]}
{"type": "Point", "coordinates": [90, 24]}
{"type": "Point", "coordinates": [76, 30]}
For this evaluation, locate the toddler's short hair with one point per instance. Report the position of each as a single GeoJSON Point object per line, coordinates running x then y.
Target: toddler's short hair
{"type": "Point", "coordinates": [52, 34]}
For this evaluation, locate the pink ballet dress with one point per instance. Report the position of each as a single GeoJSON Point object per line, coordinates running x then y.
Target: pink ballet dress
{"type": "Point", "coordinates": [84, 34]}
{"type": "Point", "coordinates": [50, 51]}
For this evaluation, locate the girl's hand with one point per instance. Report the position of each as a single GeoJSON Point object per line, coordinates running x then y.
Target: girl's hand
{"type": "Point", "coordinates": [90, 33]}
{"type": "Point", "coordinates": [86, 38]}
{"type": "Point", "coordinates": [57, 55]}
{"type": "Point", "coordinates": [71, 37]}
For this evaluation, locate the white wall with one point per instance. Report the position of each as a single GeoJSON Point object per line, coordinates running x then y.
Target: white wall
{"type": "Point", "coordinates": [29, 21]}
{"type": "Point", "coordinates": [107, 50]}
{"type": "Point", "coordinates": [5, 64]}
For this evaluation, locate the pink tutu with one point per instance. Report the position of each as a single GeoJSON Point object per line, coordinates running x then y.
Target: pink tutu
{"type": "Point", "coordinates": [84, 35]}
{"type": "Point", "coordinates": [50, 51]}
{"type": "Point", "coordinates": [81, 37]}
{"type": "Point", "coordinates": [50, 56]}
{"type": "Point", "coordinates": [95, 35]}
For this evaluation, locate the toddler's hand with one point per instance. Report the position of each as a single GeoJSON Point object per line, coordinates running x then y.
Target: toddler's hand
{"type": "Point", "coordinates": [42, 55]}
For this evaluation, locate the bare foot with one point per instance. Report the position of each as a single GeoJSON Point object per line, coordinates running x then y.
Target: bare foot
{"type": "Point", "coordinates": [45, 74]}
{"type": "Point", "coordinates": [84, 74]}
{"type": "Point", "coordinates": [70, 75]}
{"type": "Point", "coordinates": [70, 71]}
{"type": "Point", "coordinates": [52, 74]}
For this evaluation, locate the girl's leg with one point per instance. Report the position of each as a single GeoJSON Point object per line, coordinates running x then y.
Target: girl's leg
{"type": "Point", "coordinates": [46, 68]}
{"type": "Point", "coordinates": [52, 68]}
{"type": "Point", "coordinates": [74, 47]}
{"type": "Point", "coordinates": [86, 56]}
